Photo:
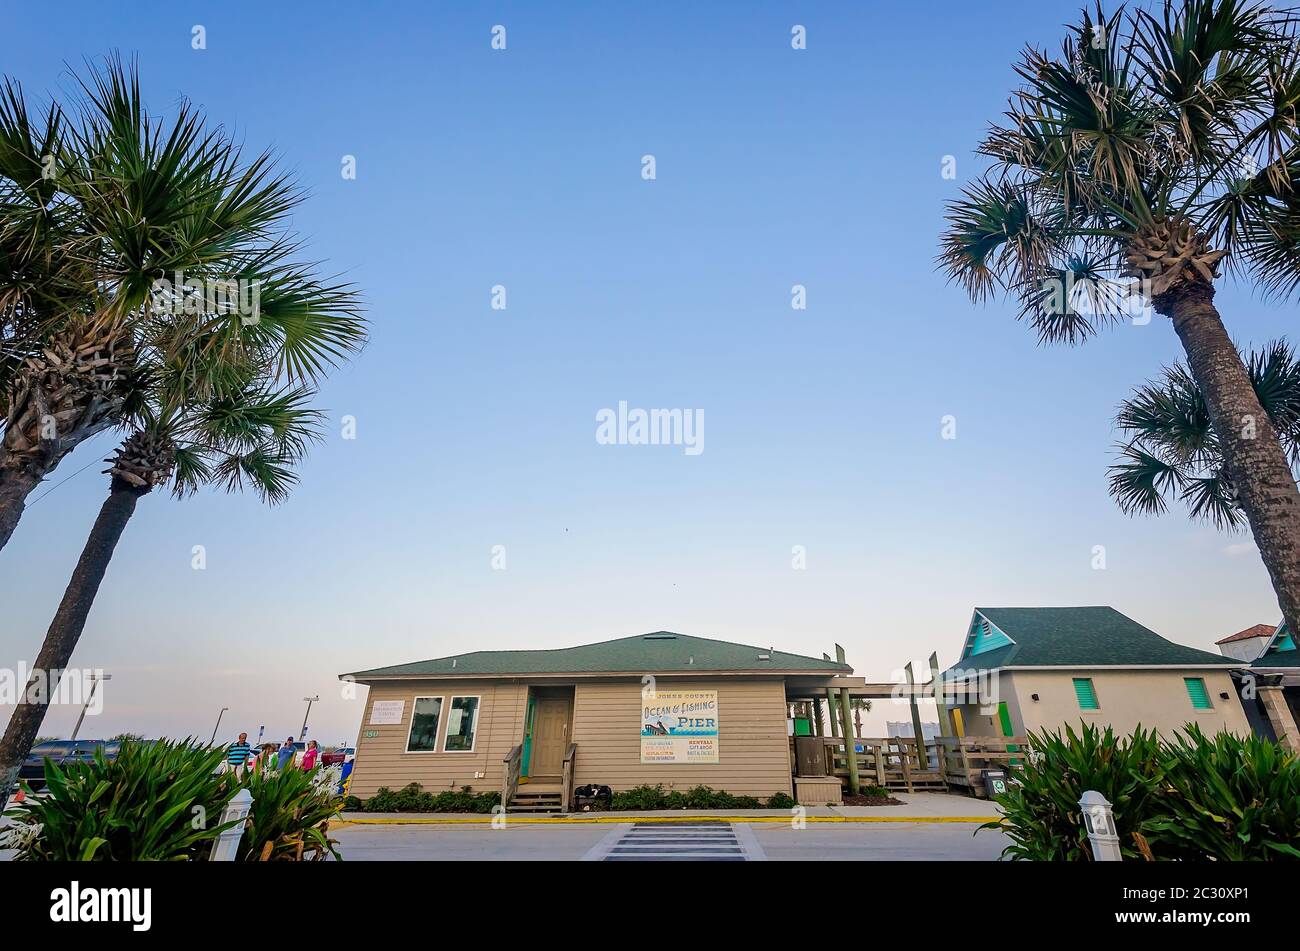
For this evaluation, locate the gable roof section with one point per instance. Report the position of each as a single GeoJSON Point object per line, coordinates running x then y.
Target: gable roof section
{"type": "Point", "coordinates": [1079, 637]}
{"type": "Point", "coordinates": [658, 652]}
{"type": "Point", "coordinates": [1257, 630]}
{"type": "Point", "coordinates": [1280, 651]}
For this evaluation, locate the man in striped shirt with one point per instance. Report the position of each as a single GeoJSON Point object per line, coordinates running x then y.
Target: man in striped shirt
{"type": "Point", "coordinates": [239, 752]}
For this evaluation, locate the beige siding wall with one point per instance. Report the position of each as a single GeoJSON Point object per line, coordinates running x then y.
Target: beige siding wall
{"type": "Point", "coordinates": [1127, 698]}
{"type": "Point", "coordinates": [753, 749]}
{"type": "Point", "coordinates": [382, 760]}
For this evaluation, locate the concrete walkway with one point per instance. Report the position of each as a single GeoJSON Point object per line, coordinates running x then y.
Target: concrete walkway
{"type": "Point", "coordinates": [916, 807]}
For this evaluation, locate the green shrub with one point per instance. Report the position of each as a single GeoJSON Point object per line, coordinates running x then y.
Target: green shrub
{"type": "Point", "coordinates": [163, 800]}
{"type": "Point", "coordinates": [154, 802]}
{"type": "Point", "coordinates": [1041, 812]}
{"type": "Point", "coordinates": [1228, 798]}
{"type": "Point", "coordinates": [781, 800]}
{"type": "Point", "coordinates": [1191, 798]}
{"type": "Point", "coordinates": [290, 816]}
{"type": "Point", "coordinates": [648, 798]}
{"type": "Point", "coordinates": [412, 798]}
{"type": "Point", "coordinates": [642, 798]}
{"type": "Point", "coordinates": [874, 791]}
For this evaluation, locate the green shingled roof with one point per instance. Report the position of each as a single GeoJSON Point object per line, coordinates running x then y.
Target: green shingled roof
{"type": "Point", "coordinates": [659, 652]}
{"type": "Point", "coordinates": [1081, 637]}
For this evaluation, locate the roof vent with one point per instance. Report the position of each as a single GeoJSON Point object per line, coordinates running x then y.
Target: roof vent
{"type": "Point", "coordinates": [661, 636]}
{"type": "Point", "coordinates": [765, 656]}
{"type": "Point", "coordinates": [453, 663]}
{"type": "Point", "coordinates": [691, 662]}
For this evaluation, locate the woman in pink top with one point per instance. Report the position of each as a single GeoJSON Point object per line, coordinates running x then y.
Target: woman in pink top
{"type": "Point", "coordinates": [309, 757]}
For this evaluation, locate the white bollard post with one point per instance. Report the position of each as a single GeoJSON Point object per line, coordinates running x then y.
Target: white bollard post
{"type": "Point", "coordinates": [1099, 820]}
{"type": "Point", "coordinates": [227, 841]}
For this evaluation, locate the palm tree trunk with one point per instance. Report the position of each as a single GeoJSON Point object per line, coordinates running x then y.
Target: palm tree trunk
{"type": "Point", "coordinates": [65, 630]}
{"type": "Point", "coordinates": [15, 486]}
{"type": "Point", "coordinates": [1257, 465]}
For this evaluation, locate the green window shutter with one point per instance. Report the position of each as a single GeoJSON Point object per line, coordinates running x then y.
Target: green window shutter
{"type": "Point", "coordinates": [1196, 690]}
{"type": "Point", "coordinates": [1086, 695]}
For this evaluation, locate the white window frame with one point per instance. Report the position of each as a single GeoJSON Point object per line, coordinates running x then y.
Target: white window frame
{"type": "Point", "coordinates": [438, 731]}
{"type": "Point", "coordinates": [452, 698]}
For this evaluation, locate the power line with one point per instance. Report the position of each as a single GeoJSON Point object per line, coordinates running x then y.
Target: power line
{"type": "Point", "coordinates": [57, 484]}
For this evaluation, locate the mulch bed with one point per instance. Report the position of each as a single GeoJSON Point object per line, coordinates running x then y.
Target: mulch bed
{"type": "Point", "coordinates": [872, 801]}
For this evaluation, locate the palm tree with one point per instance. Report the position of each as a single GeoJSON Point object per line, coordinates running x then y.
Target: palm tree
{"type": "Point", "coordinates": [1173, 451]}
{"type": "Point", "coordinates": [859, 705]}
{"type": "Point", "coordinates": [250, 439]}
{"type": "Point", "coordinates": [108, 214]}
{"type": "Point", "coordinates": [1160, 148]}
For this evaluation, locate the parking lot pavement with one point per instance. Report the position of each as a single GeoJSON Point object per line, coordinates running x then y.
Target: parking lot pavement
{"type": "Point", "coordinates": [759, 841]}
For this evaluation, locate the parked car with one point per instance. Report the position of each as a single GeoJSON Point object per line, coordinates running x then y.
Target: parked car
{"type": "Point", "coordinates": [337, 757]}
{"type": "Point", "coordinates": [63, 752]}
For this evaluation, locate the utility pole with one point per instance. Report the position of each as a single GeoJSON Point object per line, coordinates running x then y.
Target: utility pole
{"type": "Point", "coordinates": [94, 682]}
{"type": "Point", "coordinates": [310, 701]}
{"type": "Point", "coordinates": [218, 726]}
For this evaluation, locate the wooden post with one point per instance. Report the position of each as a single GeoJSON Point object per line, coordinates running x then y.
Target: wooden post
{"type": "Point", "coordinates": [916, 711]}
{"type": "Point", "coordinates": [945, 722]}
{"type": "Point", "coordinates": [846, 720]}
{"type": "Point", "coordinates": [830, 705]}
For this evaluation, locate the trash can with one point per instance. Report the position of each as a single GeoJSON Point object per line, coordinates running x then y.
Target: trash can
{"type": "Point", "coordinates": [995, 782]}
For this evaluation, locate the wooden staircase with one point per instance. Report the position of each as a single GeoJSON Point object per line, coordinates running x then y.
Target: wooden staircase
{"type": "Point", "coordinates": [540, 793]}
{"type": "Point", "coordinates": [537, 797]}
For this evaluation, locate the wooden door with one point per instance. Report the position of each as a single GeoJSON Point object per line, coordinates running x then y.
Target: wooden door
{"type": "Point", "coordinates": [550, 737]}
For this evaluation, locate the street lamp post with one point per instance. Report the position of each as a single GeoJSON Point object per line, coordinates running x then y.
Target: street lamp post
{"type": "Point", "coordinates": [310, 701]}
{"type": "Point", "coordinates": [218, 725]}
{"type": "Point", "coordinates": [94, 682]}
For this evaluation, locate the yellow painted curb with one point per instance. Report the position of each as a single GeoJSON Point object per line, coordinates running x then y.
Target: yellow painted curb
{"type": "Point", "coordinates": [571, 820]}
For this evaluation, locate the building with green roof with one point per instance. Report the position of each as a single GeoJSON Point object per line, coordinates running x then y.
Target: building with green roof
{"type": "Point", "coordinates": [534, 724]}
{"type": "Point", "coordinates": [1033, 669]}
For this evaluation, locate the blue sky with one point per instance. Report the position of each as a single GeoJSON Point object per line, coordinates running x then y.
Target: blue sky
{"type": "Point", "coordinates": [476, 427]}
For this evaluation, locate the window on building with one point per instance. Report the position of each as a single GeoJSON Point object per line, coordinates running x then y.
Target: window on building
{"type": "Point", "coordinates": [1084, 691]}
{"type": "Point", "coordinates": [462, 720]}
{"type": "Point", "coordinates": [425, 715]}
{"type": "Point", "coordinates": [1196, 690]}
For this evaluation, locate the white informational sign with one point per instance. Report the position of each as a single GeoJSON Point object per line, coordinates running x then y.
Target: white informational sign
{"type": "Point", "coordinates": [386, 712]}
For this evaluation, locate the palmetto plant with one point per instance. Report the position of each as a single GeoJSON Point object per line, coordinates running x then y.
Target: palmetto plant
{"type": "Point", "coordinates": [1159, 149]}
{"type": "Point", "coordinates": [100, 203]}
{"type": "Point", "coordinates": [1173, 451]}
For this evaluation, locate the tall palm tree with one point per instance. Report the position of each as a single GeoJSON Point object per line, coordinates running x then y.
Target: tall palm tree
{"type": "Point", "coordinates": [1161, 148]}
{"type": "Point", "coordinates": [1173, 451]}
{"type": "Point", "coordinates": [103, 204]}
{"type": "Point", "coordinates": [251, 439]}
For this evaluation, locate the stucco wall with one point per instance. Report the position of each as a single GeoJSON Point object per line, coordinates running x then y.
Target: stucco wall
{"type": "Point", "coordinates": [1127, 698]}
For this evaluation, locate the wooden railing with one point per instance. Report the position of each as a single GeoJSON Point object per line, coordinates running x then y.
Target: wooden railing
{"type": "Point", "coordinates": [966, 757]}
{"type": "Point", "coordinates": [566, 778]}
{"type": "Point", "coordinates": [514, 764]}
{"type": "Point", "coordinates": [890, 762]}
{"type": "Point", "coordinates": [894, 762]}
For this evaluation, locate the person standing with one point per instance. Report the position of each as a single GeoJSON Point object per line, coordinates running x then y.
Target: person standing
{"type": "Point", "coordinates": [239, 753]}
{"type": "Point", "coordinates": [310, 756]}
{"type": "Point", "coordinates": [285, 756]}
